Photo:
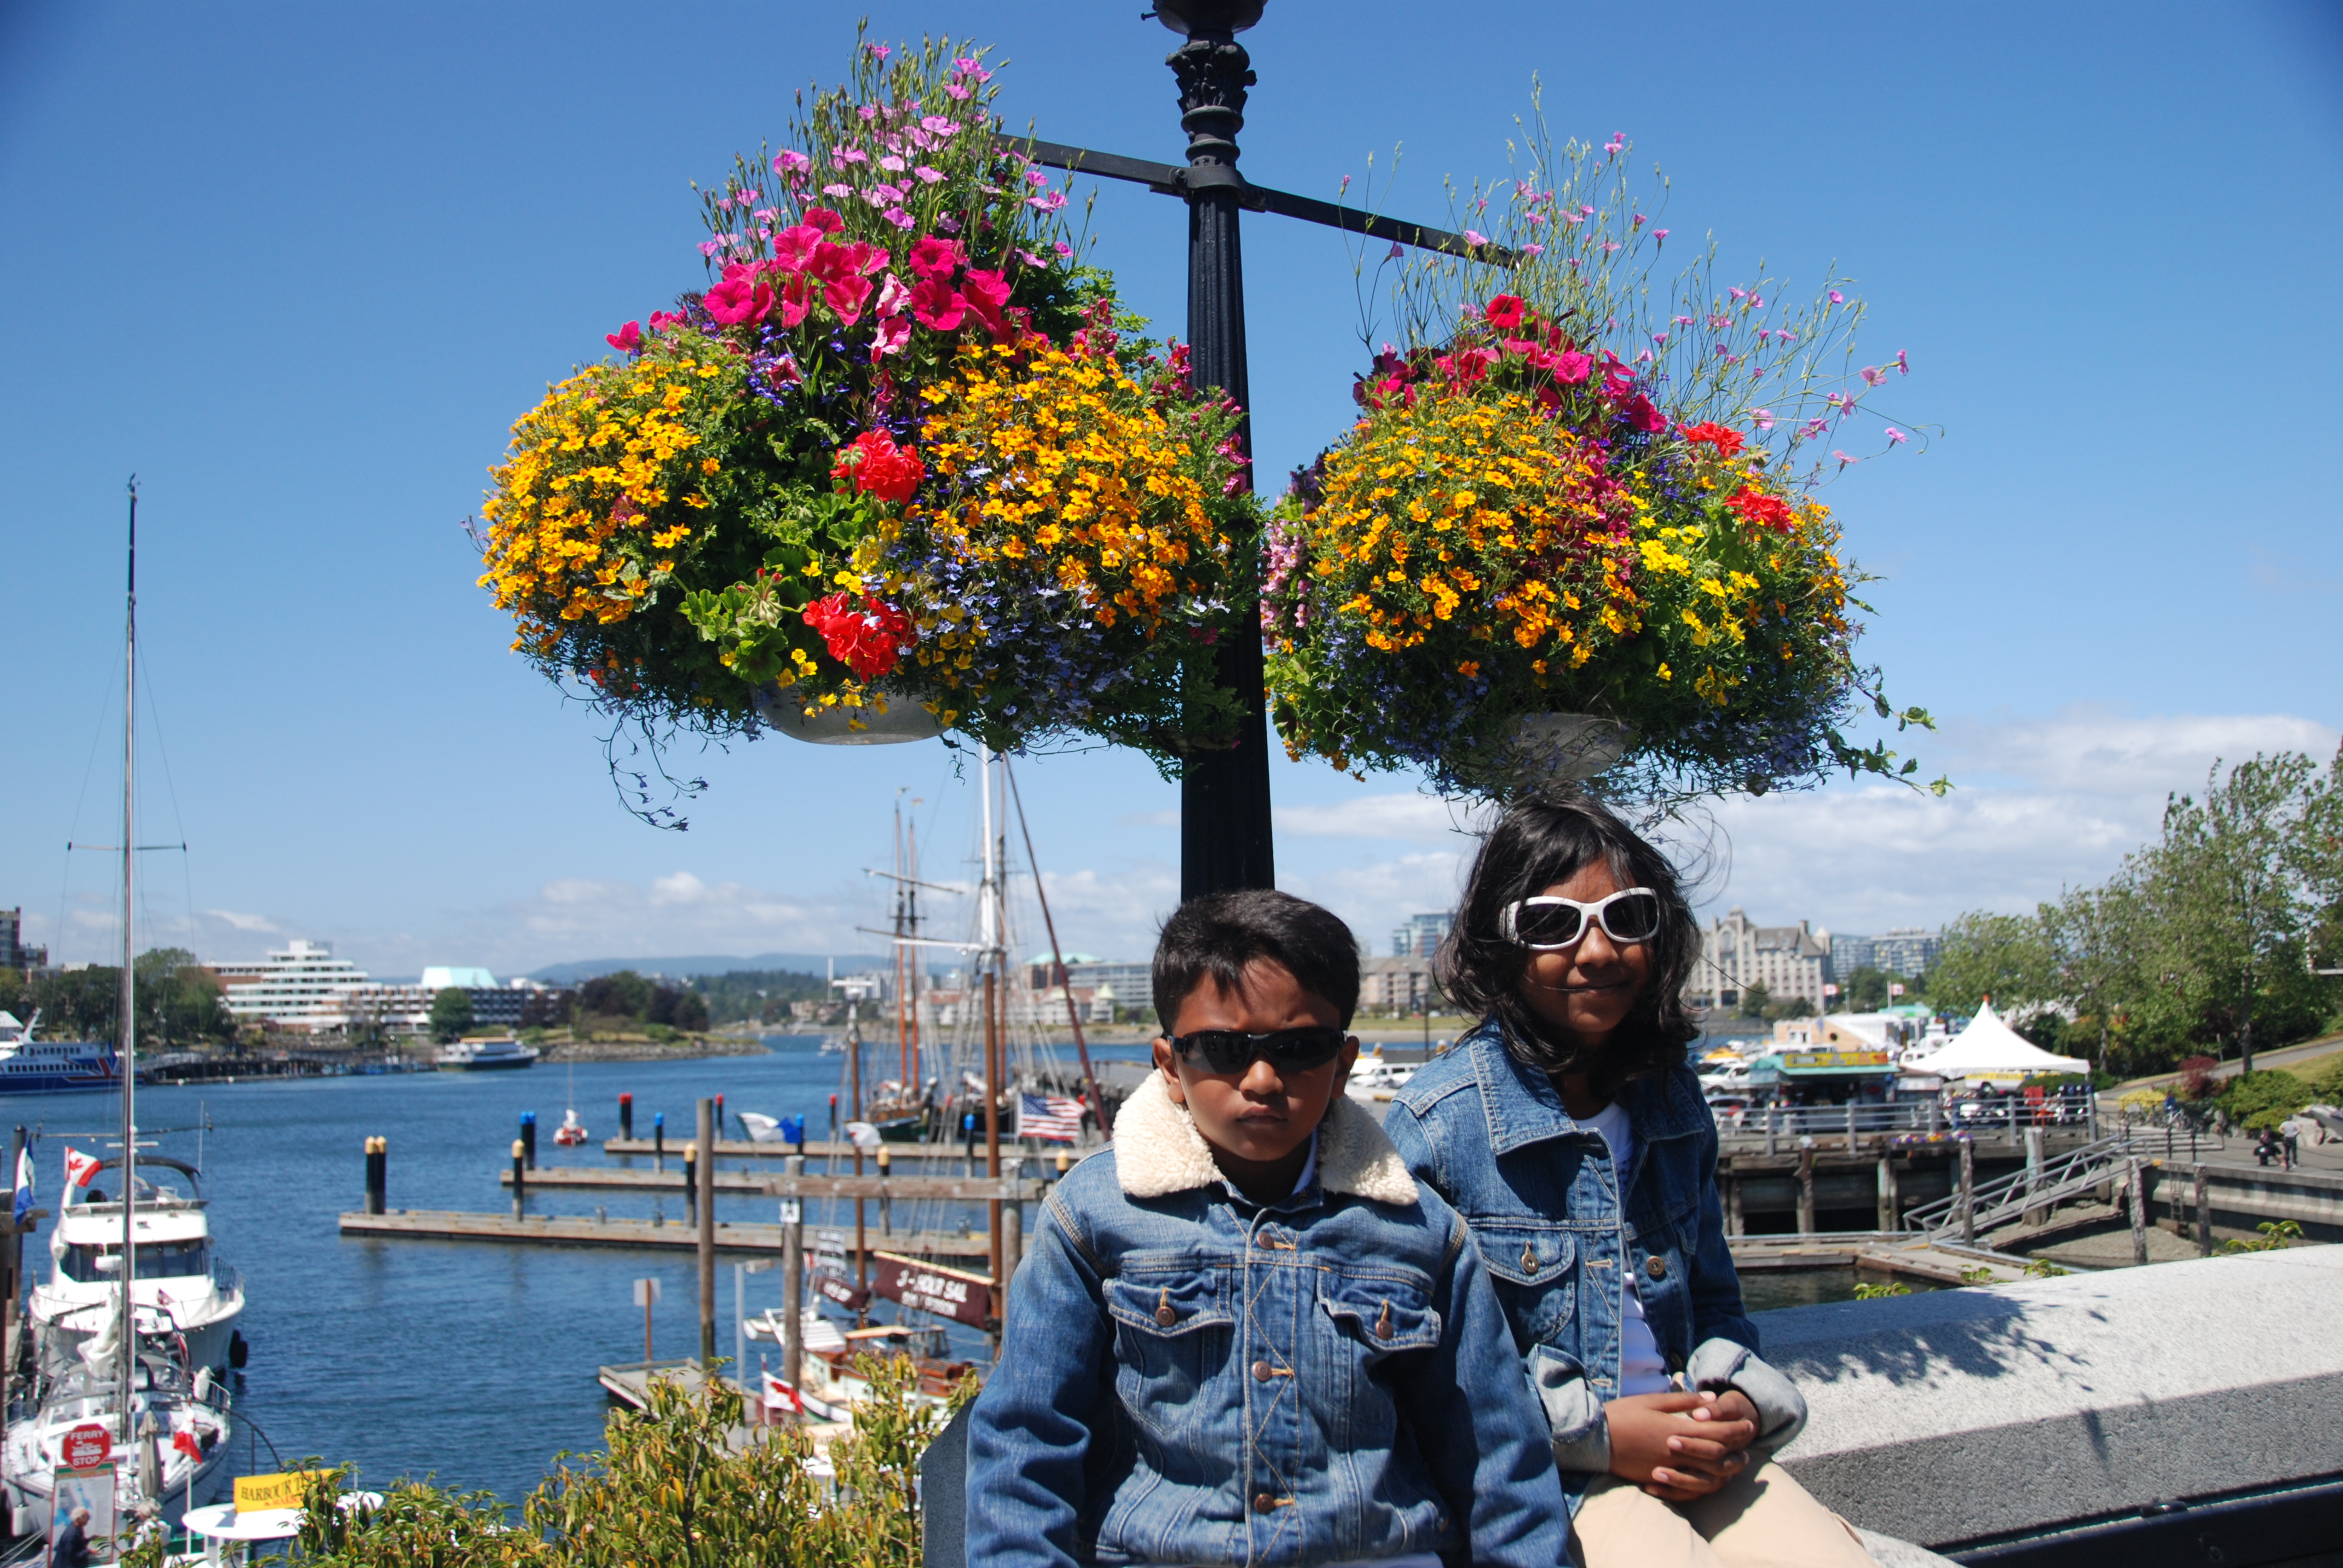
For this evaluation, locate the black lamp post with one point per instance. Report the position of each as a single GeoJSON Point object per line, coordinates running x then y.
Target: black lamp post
{"type": "Point", "coordinates": [1224, 827]}
{"type": "Point", "coordinates": [1224, 837]}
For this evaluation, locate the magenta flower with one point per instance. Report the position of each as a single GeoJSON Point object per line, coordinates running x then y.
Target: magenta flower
{"type": "Point", "coordinates": [892, 164]}
{"type": "Point", "coordinates": [1533, 248]}
{"type": "Point", "coordinates": [892, 298]}
{"type": "Point", "coordinates": [1062, 248]}
{"type": "Point", "coordinates": [1660, 337]}
{"type": "Point", "coordinates": [937, 125]}
{"type": "Point", "coordinates": [927, 176]}
{"type": "Point", "coordinates": [788, 162]}
{"type": "Point", "coordinates": [1573, 367]}
{"type": "Point", "coordinates": [933, 257]}
{"type": "Point", "coordinates": [842, 192]}
{"type": "Point", "coordinates": [1636, 222]}
{"type": "Point", "coordinates": [1903, 364]}
{"type": "Point", "coordinates": [878, 51]}
{"type": "Point", "coordinates": [1474, 237]}
{"type": "Point", "coordinates": [954, 90]}
{"type": "Point", "coordinates": [937, 306]}
{"type": "Point", "coordinates": [822, 218]}
{"type": "Point", "coordinates": [1762, 418]}
{"type": "Point", "coordinates": [796, 299]}
{"type": "Point", "coordinates": [841, 156]}
{"type": "Point", "coordinates": [847, 295]}
{"type": "Point", "coordinates": [628, 337]}
{"type": "Point", "coordinates": [1644, 416]}
{"type": "Point", "coordinates": [738, 300]}
{"type": "Point", "coordinates": [1660, 235]}
{"type": "Point", "coordinates": [1872, 375]}
{"type": "Point", "coordinates": [1049, 201]}
{"type": "Point", "coordinates": [1844, 460]}
{"type": "Point", "coordinates": [1895, 438]}
{"type": "Point", "coordinates": [794, 246]}
{"type": "Point", "coordinates": [1609, 245]}
{"type": "Point", "coordinates": [986, 293]}
{"type": "Point", "coordinates": [1836, 297]}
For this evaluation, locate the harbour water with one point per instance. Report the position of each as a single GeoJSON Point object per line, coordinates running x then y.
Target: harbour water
{"type": "Point", "coordinates": [470, 1361]}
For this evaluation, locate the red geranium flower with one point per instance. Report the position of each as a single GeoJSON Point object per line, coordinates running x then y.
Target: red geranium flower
{"type": "Point", "coordinates": [1505, 311]}
{"type": "Point", "coordinates": [878, 467]}
{"type": "Point", "coordinates": [1727, 442]}
{"type": "Point", "coordinates": [1762, 510]}
{"type": "Point", "coordinates": [869, 638]}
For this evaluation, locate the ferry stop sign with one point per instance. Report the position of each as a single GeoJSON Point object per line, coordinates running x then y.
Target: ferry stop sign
{"type": "Point", "coordinates": [88, 1445]}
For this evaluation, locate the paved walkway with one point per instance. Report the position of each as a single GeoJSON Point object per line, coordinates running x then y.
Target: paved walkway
{"type": "Point", "coordinates": [2290, 1058]}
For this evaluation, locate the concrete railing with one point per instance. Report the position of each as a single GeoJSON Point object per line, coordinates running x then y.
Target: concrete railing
{"type": "Point", "coordinates": [2090, 1420]}
{"type": "Point", "coordinates": [1963, 1419]}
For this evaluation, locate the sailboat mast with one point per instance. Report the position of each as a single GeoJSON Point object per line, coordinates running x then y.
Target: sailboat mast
{"type": "Point", "coordinates": [127, 1057]}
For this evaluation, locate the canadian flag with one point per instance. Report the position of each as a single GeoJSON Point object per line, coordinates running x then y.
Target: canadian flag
{"type": "Point", "coordinates": [777, 1390]}
{"type": "Point", "coordinates": [79, 1169]}
{"type": "Point", "coordinates": [184, 1441]}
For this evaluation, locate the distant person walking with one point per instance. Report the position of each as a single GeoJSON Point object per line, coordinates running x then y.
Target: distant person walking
{"type": "Point", "coordinates": [71, 1547]}
{"type": "Point", "coordinates": [2266, 1148]}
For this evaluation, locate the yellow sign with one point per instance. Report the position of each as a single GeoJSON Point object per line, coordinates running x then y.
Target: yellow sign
{"type": "Point", "coordinates": [254, 1494]}
{"type": "Point", "coordinates": [1831, 1061]}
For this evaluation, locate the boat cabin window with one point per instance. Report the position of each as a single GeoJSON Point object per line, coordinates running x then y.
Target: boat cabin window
{"type": "Point", "coordinates": [156, 1261]}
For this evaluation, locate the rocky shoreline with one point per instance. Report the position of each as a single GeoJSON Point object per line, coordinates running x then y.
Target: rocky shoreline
{"type": "Point", "coordinates": [555, 1051]}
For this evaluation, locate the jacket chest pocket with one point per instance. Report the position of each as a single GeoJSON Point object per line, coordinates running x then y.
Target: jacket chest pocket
{"type": "Point", "coordinates": [1534, 1269]}
{"type": "Point", "coordinates": [1380, 1316]}
{"type": "Point", "coordinates": [1172, 1332]}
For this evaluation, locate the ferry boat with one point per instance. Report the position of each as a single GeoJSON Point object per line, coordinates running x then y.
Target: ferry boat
{"type": "Point", "coordinates": [28, 1066]}
{"type": "Point", "coordinates": [485, 1055]}
{"type": "Point", "coordinates": [179, 1277]}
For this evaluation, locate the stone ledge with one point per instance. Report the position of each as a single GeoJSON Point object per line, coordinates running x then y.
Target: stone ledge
{"type": "Point", "coordinates": [1962, 1416]}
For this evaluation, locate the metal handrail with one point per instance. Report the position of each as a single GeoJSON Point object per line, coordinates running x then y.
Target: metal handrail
{"type": "Point", "coordinates": [2028, 1188]}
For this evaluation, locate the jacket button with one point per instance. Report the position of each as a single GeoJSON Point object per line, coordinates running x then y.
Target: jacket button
{"type": "Point", "coordinates": [1166, 1316]}
{"type": "Point", "coordinates": [1263, 1502]}
{"type": "Point", "coordinates": [1261, 1373]}
{"type": "Point", "coordinates": [1529, 1259]}
{"type": "Point", "coordinates": [1657, 1266]}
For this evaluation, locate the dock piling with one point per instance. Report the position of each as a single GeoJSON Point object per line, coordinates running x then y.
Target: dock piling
{"type": "Point", "coordinates": [719, 1122]}
{"type": "Point", "coordinates": [520, 1178]}
{"type": "Point", "coordinates": [2137, 1181]}
{"type": "Point", "coordinates": [1968, 1191]}
{"type": "Point", "coordinates": [377, 1160]}
{"type": "Point", "coordinates": [626, 1116]}
{"type": "Point", "coordinates": [1891, 1217]}
{"type": "Point", "coordinates": [2204, 1196]}
{"type": "Point", "coordinates": [529, 1137]}
{"type": "Point", "coordinates": [658, 1141]}
{"type": "Point", "coordinates": [2034, 1161]}
{"type": "Point", "coordinates": [704, 1191]}
{"type": "Point", "coordinates": [793, 1277]}
{"type": "Point", "coordinates": [886, 1200]}
{"type": "Point", "coordinates": [1772, 1128]}
{"type": "Point", "coordinates": [692, 1182]}
{"type": "Point", "coordinates": [1805, 1186]}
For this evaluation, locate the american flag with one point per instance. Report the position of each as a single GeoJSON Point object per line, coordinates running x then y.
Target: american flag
{"type": "Point", "coordinates": [1051, 1117]}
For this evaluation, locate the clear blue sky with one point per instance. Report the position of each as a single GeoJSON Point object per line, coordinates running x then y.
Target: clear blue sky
{"type": "Point", "coordinates": [301, 265]}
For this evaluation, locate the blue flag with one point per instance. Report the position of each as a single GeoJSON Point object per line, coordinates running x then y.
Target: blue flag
{"type": "Point", "coordinates": [24, 1183]}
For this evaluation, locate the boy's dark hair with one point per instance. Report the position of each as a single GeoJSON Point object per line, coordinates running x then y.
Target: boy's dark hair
{"type": "Point", "coordinates": [1536, 845]}
{"type": "Point", "coordinates": [1219, 934]}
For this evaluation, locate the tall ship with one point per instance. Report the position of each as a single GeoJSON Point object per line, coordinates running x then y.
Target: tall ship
{"type": "Point", "coordinates": [30, 1066]}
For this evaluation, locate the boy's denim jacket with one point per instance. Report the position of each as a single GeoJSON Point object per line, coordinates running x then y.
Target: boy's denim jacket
{"type": "Point", "coordinates": [1543, 1200]}
{"type": "Point", "coordinates": [1187, 1377]}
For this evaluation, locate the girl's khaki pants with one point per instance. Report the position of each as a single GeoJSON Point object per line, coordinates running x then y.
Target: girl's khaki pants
{"type": "Point", "coordinates": [1760, 1519]}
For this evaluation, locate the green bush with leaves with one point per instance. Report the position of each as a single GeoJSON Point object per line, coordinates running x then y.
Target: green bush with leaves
{"type": "Point", "coordinates": [2254, 1101]}
{"type": "Point", "coordinates": [671, 1490]}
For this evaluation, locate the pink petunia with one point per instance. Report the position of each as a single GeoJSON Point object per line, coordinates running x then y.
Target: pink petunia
{"type": "Point", "coordinates": [822, 218]}
{"type": "Point", "coordinates": [889, 337]}
{"type": "Point", "coordinates": [737, 301]}
{"type": "Point", "coordinates": [796, 299]}
{"type": "Point", "coordinates": [986, 293]}
{"type": "Point", "coordinates": [893, 298]}
{"type": "Point", "coordinates": [933, 257]}
{"type": "Point", "coordinates": [628, 337]}
{"type": "Point", "coordinates": [936, 305]}
{"type": "Point", "coordinates": [900, 218]}
{"type": "Point", "coordinates": [846, 295]}
{"type": "Point", "coordinates": [1573, 367]}
{"type": "Point", "coordinates": [793, 245]}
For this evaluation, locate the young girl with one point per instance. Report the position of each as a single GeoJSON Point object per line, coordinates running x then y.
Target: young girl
{"type": "Point", "coordinates": [1569, 1132]}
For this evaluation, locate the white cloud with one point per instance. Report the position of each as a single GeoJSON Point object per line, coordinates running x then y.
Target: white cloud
{"type": "Point", "coordinates": [1418, 818]}
{"type": "Point", "coordinates": [239, 922]}
{"type": "Point", "coordinates": [2038, 804]}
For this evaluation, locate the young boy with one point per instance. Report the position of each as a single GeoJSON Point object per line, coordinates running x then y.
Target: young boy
{"type": "Point", "coordinates": [1244, 1334]}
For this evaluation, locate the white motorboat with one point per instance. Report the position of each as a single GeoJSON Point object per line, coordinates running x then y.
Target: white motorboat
{"type": "Point", "coordinates": [178, 1275]}
{"type": "Point", "coordinates": [485, 1055]}
{"type": "Point", "coordinates": [1374, 1079]}
{"type": "Point", "coordinates": [177, 1453]}
{"type": "Point", "coordinates": [831, 1386]}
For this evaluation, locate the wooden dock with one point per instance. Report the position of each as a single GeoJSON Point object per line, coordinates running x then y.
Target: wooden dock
{"type": "Point", "coordinates": [1894, 1252]}
{"type": "Point", "coordinates": [839, 1155]}
{"type": "Point", "coordinates": [909, 1189]}
{"type": "Point", "coordinates": [587, 1231]}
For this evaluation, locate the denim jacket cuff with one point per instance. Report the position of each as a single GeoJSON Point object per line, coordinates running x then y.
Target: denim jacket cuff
{"type": "Point", "coordinates": [1574, 1415]}
{"type": "Point", "coordinates": [1720, 1364]}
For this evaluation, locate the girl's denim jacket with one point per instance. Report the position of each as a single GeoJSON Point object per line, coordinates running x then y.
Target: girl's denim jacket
{"type": "Point", "coordinates": [1187, 1377]}
{"type": "Point", "coordinates": [1543, 1201]}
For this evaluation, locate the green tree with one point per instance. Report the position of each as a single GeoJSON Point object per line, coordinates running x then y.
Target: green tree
{"type": "Point", "coordinates": [1865, 990]}
{"type": "Point", "coordinates": [2011, 959]}
{"type": "Point", "coordinates": [1755, 999]}
{"type": "Point", "coordinates": [451, 1013]}
{"type": "Point", "coordinates": [623, 994]}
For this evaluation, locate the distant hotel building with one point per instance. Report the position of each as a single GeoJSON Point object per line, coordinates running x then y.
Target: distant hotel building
{"type": "Point", "coordinates": [1420, 936]}
{"type": "Point", "coordinates": [1907, 951]}
{"type": "Point", "coordinates": [1395, 986]}
{"type": "Point", "coordinates": [1792, 962]}
{"type": "Point", "coordinates": [304, 986]}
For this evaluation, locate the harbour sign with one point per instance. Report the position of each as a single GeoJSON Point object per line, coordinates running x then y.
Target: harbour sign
{"type": "Point", "coordinates": [931, 1288]}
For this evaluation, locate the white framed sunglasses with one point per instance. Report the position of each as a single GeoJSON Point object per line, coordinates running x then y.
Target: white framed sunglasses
{"type": "Point", "coordinates": [1547, 923]}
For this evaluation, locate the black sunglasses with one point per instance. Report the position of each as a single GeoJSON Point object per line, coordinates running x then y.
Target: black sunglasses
{"type": "Point", "coordinates": [1233, 1051]}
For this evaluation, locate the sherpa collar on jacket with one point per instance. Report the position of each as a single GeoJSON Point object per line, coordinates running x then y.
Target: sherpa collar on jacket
{"type": "Point", "coordinates": [1158, 1150]}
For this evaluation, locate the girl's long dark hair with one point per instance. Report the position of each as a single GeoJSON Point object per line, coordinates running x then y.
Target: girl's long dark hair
{"type": "Point", "coordinates": [1536, 845]}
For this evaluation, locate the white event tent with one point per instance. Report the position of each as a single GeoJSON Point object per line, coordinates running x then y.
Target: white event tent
{"type": "Point", "coordinates": [1990, 1051]}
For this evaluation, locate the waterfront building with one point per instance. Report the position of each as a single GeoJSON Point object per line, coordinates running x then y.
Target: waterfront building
{"type": "Point", "coordinates": [14, 954]}
{"type": "Point", "coordinates": [301, 985]}
{"type": "Point", "coordinates": [1395, 987]}
{"type": "Point", "coordinates": [1420, 937]}
{"type": "Point", "coordinates": [1908, 951]}
{"type": "Point", "coordinates": [1792, 962]}
{"type": "Point", "coordinates": [494, 1006]}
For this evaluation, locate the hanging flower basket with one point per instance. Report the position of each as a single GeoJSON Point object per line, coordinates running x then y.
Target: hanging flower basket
{"type": "Point", "coordinates": [901, 453]}
{"type": "Point", "coordinates": [1533, 564]}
